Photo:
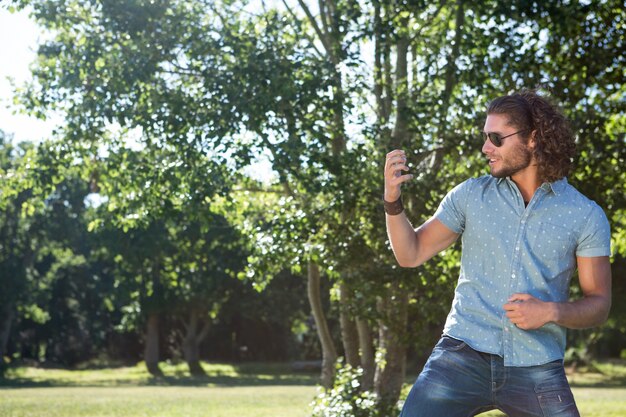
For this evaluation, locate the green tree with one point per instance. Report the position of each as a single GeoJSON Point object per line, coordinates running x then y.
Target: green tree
{"type": "Point", "coordinates": [202, 273]}
{"type": "Point", "coordinates": [41, 234]}
{"type": "Point", "coordinates": [78, 282]}
{"type": "Point", "coordinates": [326, 92]}
{"type": "Point", "coordinates": [17, 238]}
{"type": "Point", "coordinates": [126, 103]}
{"type": "Point", "coordinates": [174, 257]}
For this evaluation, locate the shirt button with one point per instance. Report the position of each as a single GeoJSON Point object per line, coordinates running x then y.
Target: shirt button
{"type": "Point", "coordinates": [513, 275]}
{"type": "Point", "coordinates": [517, 248]}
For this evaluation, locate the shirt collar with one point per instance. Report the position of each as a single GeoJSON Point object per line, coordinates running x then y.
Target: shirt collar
{"type": "Point", "coordinates": [556, 186]}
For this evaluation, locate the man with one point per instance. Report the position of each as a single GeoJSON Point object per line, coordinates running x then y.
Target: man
{"type": "Point", "coordinates": [524, 230]}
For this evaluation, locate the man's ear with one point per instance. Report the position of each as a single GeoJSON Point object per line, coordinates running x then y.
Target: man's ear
{"type": "Point", "coordinates": [532, 141]}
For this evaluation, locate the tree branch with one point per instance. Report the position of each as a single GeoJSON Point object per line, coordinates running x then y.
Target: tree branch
{"type": "Point", "coordinates": [320, 34]}
{"type": "Point", "coordinates": [297, 19]}
{"type": "Point", "coordinates": [324, 17]}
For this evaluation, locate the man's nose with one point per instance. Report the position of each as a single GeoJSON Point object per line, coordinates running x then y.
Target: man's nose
{"type": "Point", "coordinates": [488, 147]}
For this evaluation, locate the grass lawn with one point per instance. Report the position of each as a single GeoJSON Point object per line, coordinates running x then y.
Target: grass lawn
{"type": "Point", "coordinates": [259, 390]}
{"type": "Point", "coordinates": [253, 390]}
{"type": "Point", "coordinates": [266, 401]}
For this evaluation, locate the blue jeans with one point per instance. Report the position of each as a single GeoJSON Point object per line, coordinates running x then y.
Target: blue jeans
{"type": "Point", "coordinates": [458, 381]}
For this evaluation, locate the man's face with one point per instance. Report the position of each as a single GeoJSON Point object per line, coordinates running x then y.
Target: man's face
{"type": "Point", "coordinates": [514, 156]}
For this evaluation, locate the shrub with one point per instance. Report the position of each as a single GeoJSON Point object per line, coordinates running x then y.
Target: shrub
{"type": "Point", "coordinates": [346, 398]}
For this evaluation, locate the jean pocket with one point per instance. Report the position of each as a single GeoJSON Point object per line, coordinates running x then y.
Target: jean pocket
{"type": "Point", "coordinates": [557, 402]}
{"type": "Point", "coordinates": [450, 344]}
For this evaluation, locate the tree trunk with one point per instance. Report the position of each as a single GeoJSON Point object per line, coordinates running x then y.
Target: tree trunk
{"type": "Point", "coordinates": [367, 354]}
{"type": "Point", "coordinates": [390, 373]}
{"type": "Point", "coordinates": [400, 135]}
{"type": "Point", "coordinates": [451, 70]}
{"type": "Point", "coordinates": [381, 109]}
{"type": "Point", "coordinates": [329, 353]}
{"type": "Point", "coordinates": [349, 333]}
{"type": "Point", "coordinates": [191, 343]}
{"type": "Point", "coordinates": [338, 133]}
{"type": "Point", "coordinates": [5, 329]}
{"type": "Point", "coordinates": [151, 352]}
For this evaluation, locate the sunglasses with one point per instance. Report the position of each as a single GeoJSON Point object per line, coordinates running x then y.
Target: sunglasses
{"type": "Point", "coordinates": [496, 139]}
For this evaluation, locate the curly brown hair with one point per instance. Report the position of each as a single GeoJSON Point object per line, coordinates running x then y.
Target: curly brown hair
{"type": "Point", "coordinates": [554, 141]}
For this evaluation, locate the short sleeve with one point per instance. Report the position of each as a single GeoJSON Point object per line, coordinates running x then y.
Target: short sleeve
{"type": "Point", "coordinates": [595, 239]}
{"type": "Point", "coordinates": [452, 209]}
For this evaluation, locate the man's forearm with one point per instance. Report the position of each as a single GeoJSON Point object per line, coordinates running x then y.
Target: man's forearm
{"type": "Point", "coordinates": [589, 311]}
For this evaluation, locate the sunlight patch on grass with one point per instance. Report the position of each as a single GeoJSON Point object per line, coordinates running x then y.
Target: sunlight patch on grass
{"type": "Point", "coordinates": [217, 374]}
{"type": "Point", "coordinates": [104, 377]}
{"type": "Point", "coordinates": [601, 402]}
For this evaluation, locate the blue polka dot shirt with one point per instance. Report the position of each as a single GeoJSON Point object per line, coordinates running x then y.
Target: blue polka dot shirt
{"type": "Point", "coordinates": [510, 248]}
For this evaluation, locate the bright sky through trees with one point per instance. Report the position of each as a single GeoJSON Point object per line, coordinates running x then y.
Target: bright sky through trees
{"type": "Point", "coordinates": [18, 41]}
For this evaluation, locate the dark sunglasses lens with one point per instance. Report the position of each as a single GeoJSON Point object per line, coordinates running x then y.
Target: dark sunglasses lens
{"type": "Point", "coordinates": [493, 138]}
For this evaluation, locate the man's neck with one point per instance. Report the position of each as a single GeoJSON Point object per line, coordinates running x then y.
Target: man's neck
{"type": "Point", "coordinates": [527, 182]}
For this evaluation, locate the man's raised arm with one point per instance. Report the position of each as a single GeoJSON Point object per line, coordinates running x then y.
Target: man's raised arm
{"type": "Point", "coordinates": [412, 247]}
